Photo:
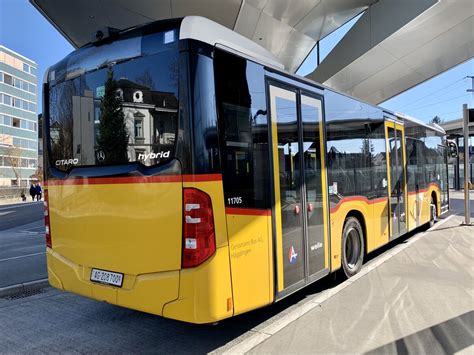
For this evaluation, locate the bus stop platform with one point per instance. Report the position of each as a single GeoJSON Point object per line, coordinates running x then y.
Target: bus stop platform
{"type": "Point", "coordinates": [415, 295]}
{"type": "Point", "coordinates": [416, 298]}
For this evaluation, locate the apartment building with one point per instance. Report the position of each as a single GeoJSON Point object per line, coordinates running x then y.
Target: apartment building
{"type": "Point", "coordinates": [18, 119]}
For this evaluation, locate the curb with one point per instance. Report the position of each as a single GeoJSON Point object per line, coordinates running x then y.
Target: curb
{"type": "Point", "coordinates": [23, 287]}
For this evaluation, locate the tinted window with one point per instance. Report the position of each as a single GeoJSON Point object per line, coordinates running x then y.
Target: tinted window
{"type": "Point", "coordinates": [356, 148]}
{"type": "Point", "coordinates": [416, 159]}
{"type": "Point", "coordinates": [95, 118]}
{"type": "Point", "coordinates": [204, 120]}
{"type": "Point", "coordinates": [243, 130]}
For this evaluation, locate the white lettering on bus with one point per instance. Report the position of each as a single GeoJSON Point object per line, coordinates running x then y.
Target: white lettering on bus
{"type": "Point", "coordinates": [152, 155]}
{"type": "Point", "coordinates": [67, 161]}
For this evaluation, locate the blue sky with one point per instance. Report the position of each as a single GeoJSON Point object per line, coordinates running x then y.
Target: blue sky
{"type": "Point", "coordinates": [25, 31]}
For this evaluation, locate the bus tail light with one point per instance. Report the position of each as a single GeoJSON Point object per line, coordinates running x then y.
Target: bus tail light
{"type": "Point", "coordinates": [199, 240]}
{"type": "Point", "coordinates": [47, 225]}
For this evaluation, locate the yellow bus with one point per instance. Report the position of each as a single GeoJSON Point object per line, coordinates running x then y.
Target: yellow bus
{"type": "Point", "coordinates": [190, 176]}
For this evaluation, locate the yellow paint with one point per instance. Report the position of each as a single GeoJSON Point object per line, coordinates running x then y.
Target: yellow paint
{"type": "Point", "coordinates": [203, 291]}
{"type": "Point", "coordinates": [419, 206]}
{"type": "Point", "coordinates": [251, 261]}
{"type": "Point", "coordinates": [276, 183]}
{"type": "Point", "coordinates": [414, 209]}
{"type": "Point", "coordinates": [128, 228]}
{"type": "Point", "coordinates": [324, 191]}
{"type": "Point", "coordinates": [378, 220]}
{"type": "Point", "coordinates": [136, 229]}
{"type": "Point", "coordinates": [401, 130]}
{"type": "Point", "coordinates": [146, 292]}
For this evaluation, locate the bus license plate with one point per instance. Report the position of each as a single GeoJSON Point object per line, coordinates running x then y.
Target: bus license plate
{"type": "Point", "coordinates": [107, 277]}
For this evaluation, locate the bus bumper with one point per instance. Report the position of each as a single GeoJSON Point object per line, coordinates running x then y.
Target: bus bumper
{"type": "Point", "coordinates": [205, 292]}
{"type": "Point", "coordinates": [198, 295]}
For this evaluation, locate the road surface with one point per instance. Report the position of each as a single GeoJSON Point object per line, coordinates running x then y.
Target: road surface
{"type": "Point", "coordinates": [22, 243]}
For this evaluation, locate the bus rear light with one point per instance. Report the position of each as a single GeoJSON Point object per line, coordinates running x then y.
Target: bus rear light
{"type": "Point", "coordinates": [199, 241]}
{"type": "Point", "coordinates": [49, 243]}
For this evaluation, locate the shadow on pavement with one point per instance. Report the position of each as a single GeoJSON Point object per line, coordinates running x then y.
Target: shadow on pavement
{"type": "Point", "coordinates": [447, 337]}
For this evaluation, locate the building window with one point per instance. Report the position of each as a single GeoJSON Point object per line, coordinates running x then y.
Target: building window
{"type": "Point", "coordinates": [7, 100]}
{"type": "Point", "coordinates": [18, 83]}
{"type": "Point", "coordinates": [7, 79]}
{"type": "Point", "coordinates": [14, 182]}
{"type": "Point", "coordinates": [16, 122]}
{"type": "Point", "coordinates": [138, 128]}
{"type": "Point", "coordinates": [26, 67]}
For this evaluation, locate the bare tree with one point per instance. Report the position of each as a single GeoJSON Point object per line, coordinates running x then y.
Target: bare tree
{"type": "Point", "coordinates": [13, 160]}
{"type": "Point", "coordinates": [38, 174]}
{"type": "Point", "coordinates": [436, 119]}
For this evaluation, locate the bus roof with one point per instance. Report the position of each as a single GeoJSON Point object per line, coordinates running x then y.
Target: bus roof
{"type": "Point", "coordinates": [207, 31]}
{"type": "Point", "coordinates": [432, 126]}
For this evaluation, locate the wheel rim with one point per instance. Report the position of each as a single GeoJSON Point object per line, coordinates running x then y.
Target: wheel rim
{"type": "Point", "coordinates": [352, 248]}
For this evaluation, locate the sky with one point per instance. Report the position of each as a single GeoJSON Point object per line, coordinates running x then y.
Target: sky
{"type": "Point", "coordinates": [24, 30]}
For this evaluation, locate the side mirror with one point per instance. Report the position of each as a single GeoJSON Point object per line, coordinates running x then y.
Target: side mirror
{"type": "Point", "coordinates": [452, 149]}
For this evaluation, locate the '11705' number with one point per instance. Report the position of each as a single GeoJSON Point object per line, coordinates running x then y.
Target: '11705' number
{"type": "Point", "coordinates": [234, 200]}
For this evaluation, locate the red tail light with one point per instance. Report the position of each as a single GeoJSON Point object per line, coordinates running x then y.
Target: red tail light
{"type": "Point", "coordinates": [199, 241]}
{"type": "Point", "coordinates": [46, 220]}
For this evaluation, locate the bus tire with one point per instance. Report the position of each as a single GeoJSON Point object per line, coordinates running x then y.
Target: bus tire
{"type": "Point", "coordinates": [352, 247]}
{"type": "Point", "coordinates": [433, 212]}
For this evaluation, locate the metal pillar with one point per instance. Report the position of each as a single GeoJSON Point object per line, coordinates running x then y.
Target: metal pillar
{"type": "Point", "coordinates": [457, 185]}
{"type": "Point", "coordinates": [467, 212]}
{"type": "Point", "coordinates": [318, 54]}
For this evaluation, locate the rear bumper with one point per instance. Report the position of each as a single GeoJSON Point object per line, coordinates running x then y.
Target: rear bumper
{"type": "Point", "coordinates": [147, 293]}
{"type": "Point", "coordinates": [198, 295]}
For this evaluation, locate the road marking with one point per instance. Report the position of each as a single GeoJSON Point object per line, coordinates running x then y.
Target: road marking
{"type": "Point", "coordinates": [22, 256]}
{"type": "Point", "coordinates": [4, 213]}
{"type": "Point", "coordinates": [259, 336]}
{"type": "Point", "coordinates": [28, 204]}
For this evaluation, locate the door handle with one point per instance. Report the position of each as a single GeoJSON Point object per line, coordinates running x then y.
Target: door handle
{"type": "Point", "coordinates": [297, 209]}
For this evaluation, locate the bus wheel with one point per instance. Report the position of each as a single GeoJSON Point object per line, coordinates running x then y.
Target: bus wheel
{"type": "Point", "coordinates": [433, 214]}
{"type": "Point", "coordinates": [352, 246]}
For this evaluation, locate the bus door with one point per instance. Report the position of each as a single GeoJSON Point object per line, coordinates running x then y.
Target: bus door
{"type": "Point", "coordinates": [300, 207]}
{"type": "Point", "coordinates": [397, 178]}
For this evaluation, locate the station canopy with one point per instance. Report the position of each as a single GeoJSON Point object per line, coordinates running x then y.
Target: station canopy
{"type": "Point", "coordinates": [360, 66]}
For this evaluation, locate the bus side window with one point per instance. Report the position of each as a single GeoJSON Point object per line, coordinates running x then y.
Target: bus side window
{"type": "Point", "coordinates": [243, 131]}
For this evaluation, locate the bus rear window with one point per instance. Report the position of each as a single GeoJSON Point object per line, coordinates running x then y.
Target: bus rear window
{"type": "Point", "coordinates": [127, 112]}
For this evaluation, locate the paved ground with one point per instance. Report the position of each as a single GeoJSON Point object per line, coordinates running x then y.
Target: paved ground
{"type": "Point", "coordinates": [22, 248]}
{"type": "Point", "coordinates": [419, 301]}
{"type": "Point", "coordinates": [456, 199]}
{"type": "Point", "coordinates": [22, 254]}
{"type": "Point", "coordinates": [14, 215]}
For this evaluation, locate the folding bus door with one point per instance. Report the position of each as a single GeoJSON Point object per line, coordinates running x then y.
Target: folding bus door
{"type": "Point", "coordinates": [397, 181]}
{"type": "Point", "coordinates": [300, 212]}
